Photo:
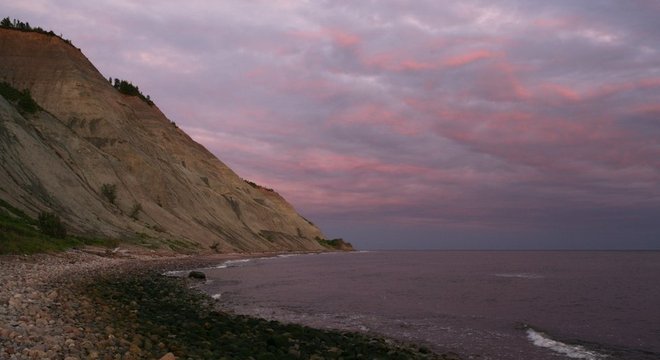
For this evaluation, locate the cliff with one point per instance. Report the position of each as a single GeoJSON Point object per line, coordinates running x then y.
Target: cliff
{"type": "Point", "coordinates": [88, 135]}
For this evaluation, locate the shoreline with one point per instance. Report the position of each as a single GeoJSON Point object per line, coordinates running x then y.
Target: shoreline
{"type": "Point", "coordinates": [77, 305]}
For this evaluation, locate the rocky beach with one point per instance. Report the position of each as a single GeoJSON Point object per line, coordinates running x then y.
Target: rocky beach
{"type": "Point", "coordinates": [43, 314]}
{"type": "Point", "coordinates": [79, 305]}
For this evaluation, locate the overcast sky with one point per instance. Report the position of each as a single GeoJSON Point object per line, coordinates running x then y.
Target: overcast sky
{"type": "Point", "coordinates": [408, 124]}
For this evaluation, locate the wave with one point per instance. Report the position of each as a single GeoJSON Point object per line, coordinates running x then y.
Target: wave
{"type": "Point", "coordinates": [572, 351]}
{"type": "Point", "coordinates": [223, 265]}
{"type": "Point", "coordinates": [520, 275]}
{"type": "Point", "coordinates": [176, 273]}
{"type": "Point", "coordinates": [231, 263]}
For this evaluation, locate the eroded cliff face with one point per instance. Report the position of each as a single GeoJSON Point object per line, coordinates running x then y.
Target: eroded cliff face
{"type": "Point", "coordinates": [89, 134]}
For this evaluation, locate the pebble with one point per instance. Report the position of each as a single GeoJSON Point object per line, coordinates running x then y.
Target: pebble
{"type": "Point", "coordinates": [41, 314]}
{"type": "Point", "coordinates": [44, 315]}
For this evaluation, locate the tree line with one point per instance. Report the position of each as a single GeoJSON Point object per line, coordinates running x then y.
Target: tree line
{"type": "Point", "coordinates": [123, 86]}
{"type": "Point", "coordinates": [127, 88]}
{"type": "Point", "coordinates": [16, 24]}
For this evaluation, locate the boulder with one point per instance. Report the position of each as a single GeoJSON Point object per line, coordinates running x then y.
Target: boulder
{"type": "Point", "coordinates": [197, 275]}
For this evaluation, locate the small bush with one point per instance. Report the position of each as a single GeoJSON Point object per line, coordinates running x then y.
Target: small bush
{"type": "Point", "coordinates": [109, 191]}
{"type": "Point", "coordinates": [127, 88]}
{"type": "Point", "coordinates": [50, 224]}
{"type": "Point", "coordinates": [22, 99]}
{"type": "Point", "coordinates": [135, 211]}
{"type": "Point", "coordinates": [336, 244]}
{"type": "Point", "coordinates": [257, 186]}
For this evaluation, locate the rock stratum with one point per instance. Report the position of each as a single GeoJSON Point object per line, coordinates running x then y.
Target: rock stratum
{"type": "Point", "coordinates": [88, 134]}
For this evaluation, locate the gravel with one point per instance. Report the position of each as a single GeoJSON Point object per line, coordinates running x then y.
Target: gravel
{"type": "Point", "coordinates": [80, 305]}
{"type": "Point", "coordinates": [44, 314]}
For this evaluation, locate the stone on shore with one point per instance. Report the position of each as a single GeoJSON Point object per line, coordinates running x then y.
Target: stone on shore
{"type": "Point", "coordinates": [168, 356]}
{"type": "Point", "coordinates": [76, 306]}
{"type": "Point", "coordinates": [197, 275]}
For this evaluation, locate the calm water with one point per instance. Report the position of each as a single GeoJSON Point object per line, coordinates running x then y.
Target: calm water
{"type": "Point", "coordinates": [481, 305]}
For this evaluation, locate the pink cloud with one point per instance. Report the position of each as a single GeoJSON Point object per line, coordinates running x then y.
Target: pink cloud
{"type": "Point", "coordinates": [368, 183]}
{"type": "Point", "coordinates": [621, 87]}
{"type": "Point", "coordinates": [557, 23]}
{"type": "Point", "coordinates": [582, 94]}
{"type": "Point", "coordinates": [650, 109]}
{"type": "Point", "coordinates": [496, 81]}
{"type": "Point", "coordinates": [590, 145]}
{"type": "Point", "coordinates": [343, 38]}
{"type": "Point", "coordinates": [378, 115]}
{"type": "Point", "coordinates": [313, 87]}
{"type": "Point", "coordinates": [468, 58]}
{"type": "Point", "coordinates": [562, 146]}
{"type": "Point", "coordinates": [563, 92]}
{"type": "Point", "coordinates": [415, 65]}
{"type": "Point", "coordinates": [395, 61]}
{"type": "Point", "coordinates": [339, 37]}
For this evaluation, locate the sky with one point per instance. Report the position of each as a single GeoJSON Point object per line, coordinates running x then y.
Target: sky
{"type": "Point", "coordinates": [427, 124]}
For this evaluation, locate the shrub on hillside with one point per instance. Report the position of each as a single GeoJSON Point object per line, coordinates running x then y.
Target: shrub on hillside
{"type": "Point", "coordinates": [135, 211]}
{"type": "Point", "coordinates": [109, 191]}
{"type": "Point", "coordinates": [51, 225]}
{"type": "Point", "coordinates": [22, 99]}
{"type": "Point", "coordinates": [257, 186]}
{"type": "Point", "coordinates": [336, 244]}
{"type": "Point", "coordinates": [127, 88]}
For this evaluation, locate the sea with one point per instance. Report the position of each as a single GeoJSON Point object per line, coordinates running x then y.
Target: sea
{"type": "Point", "coordinates": [478, 304]}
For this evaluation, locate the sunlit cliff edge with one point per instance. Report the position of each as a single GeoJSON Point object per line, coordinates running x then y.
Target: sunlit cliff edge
{"type": "Point", "coordinates": [88, 135]}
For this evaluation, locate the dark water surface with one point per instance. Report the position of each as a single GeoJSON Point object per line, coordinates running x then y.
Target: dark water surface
{"type": "Point", "coordinates": [480, 304]}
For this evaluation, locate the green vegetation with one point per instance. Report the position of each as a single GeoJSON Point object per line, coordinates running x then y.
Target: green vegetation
{"type": "Point", "coordinates": [257, 186]}
{"type": "Point", "coordinates": [20, 234]}
{"type": "Point", "coordinates": [109, 191]}
{"type": "Point", "coordinates": [16, 24]}
{"type": "Point", "coordinates": [21, 99]}
{"type": "Point", "coordinates": [335, 244]}
{"type": "Point", "coordinates": [135, 211]}
{"type": "Point", "coordinates": [51, 225]}
{"type": "Point", "coordinates": [157, 314]}
{"type": "Point", "coordinates": [127, 88]}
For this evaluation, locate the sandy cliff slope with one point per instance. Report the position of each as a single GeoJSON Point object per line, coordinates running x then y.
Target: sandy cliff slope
{"type": "Point", "coordinates": [89, 134]}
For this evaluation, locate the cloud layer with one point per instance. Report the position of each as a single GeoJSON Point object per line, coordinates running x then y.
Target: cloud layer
{"type": "Point", "coordinates": [409, 124]}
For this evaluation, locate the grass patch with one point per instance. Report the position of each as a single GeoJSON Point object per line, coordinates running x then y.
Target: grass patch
{"type": "Point", "coordinates": [257, 186]}
{"type": "Point", "coordinates": [22, 100]}
{"type": "Point", "coordinates": [335, 244]}
{"type": "Point", "coordinates": [20, 234]}
{"type": "Point", "coordinates": [160, 314]}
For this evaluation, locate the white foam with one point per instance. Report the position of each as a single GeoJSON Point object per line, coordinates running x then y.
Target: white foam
{"type": "Point", "coordinates": [572, 351]}
{"type": "Point", "coordinates": [520, 275]}
{"type": "Point", "coordinates": [175, 273]}
{"type": "Point", "coordinates": [230, 263]}
{"type": "Point", "coordinates": [216, 296]}
{"type": "Point", "coordinates": [238, 261]}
